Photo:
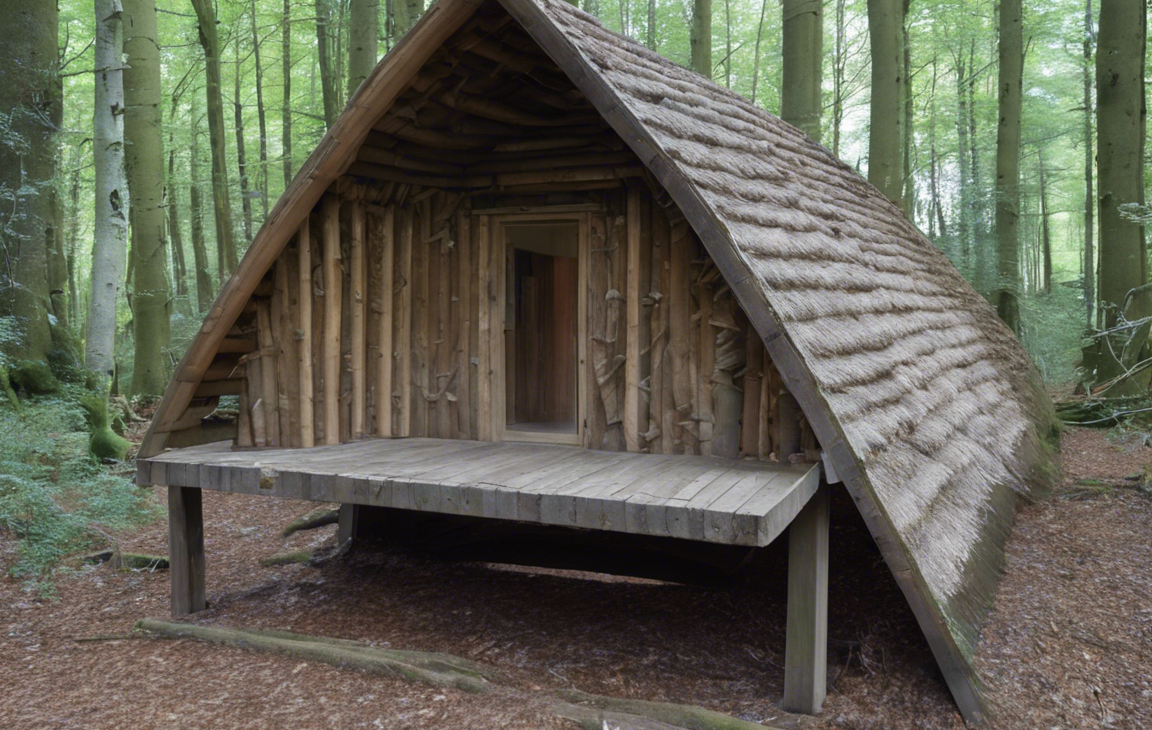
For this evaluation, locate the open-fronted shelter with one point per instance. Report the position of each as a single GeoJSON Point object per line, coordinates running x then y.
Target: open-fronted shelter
{"type": "Point", "coordinates": [536, 272]}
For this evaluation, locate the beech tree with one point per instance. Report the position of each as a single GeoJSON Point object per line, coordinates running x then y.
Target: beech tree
{"type": "Point", "coordinates": [1121, 116]}
{"type": "Point", "coordinates": [226, 259]}
{"type": "Point", "coordinates": [1008, 164]}
{"type": "Point", "coordinates": [150, 295]}
{"type": "Point", "coordinates": [363, 27]}
{"type": "Point", "coordinates": [800, 102]}
{"type": "Point", "coordinates": [886, 131]}
{"type": "Point", "coordinates": [31, 102]}
{"type": "Point", "coordinates": [110, 234]}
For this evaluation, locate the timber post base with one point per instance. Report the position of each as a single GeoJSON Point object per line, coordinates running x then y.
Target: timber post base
{"type": "Point", "coordinates": [186, 549]}
{"type": "Point", "coordinates": [806, 653]}
{"type": "Point", "coordinates": [347, 524]}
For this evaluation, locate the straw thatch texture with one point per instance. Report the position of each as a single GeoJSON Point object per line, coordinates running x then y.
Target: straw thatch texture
{"type": "Point", "coordinates": [939, 403]}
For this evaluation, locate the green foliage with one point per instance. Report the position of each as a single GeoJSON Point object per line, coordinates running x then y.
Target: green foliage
{"type": "Point", "coordinates": [1051, 328]}
{"type": "Point", "coordinates": [53, 496]}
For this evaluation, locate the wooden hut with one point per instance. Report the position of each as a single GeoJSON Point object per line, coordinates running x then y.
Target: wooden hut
{"type": "Point", "coordinates": [536, 272]}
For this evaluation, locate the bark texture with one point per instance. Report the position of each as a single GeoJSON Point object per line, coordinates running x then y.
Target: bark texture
{"type": "Point", "coordinates": [31, 103]}
{"type": "Point", "coordinates": [363, 27]}
{"type": "Point", "coordinates": [110, 233]}
{"type": "Point", "coordinates": [1120, 118]}
{"type": "Point", "coordinates": [1008, 164]}
{"type": "Point", "coordinates": [210, 41]}
{"type": "Point", "coordinates": [701, 37]}
{"type": "Point", "coordinates": [800, 102]}
{"type": "Point", "coordinates": [145, 164]}
{"type": "Point", "coordinates": [886, 130]}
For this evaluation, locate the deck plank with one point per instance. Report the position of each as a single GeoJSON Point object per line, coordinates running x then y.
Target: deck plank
{"type": "Point", "coordinates": [744, 502]}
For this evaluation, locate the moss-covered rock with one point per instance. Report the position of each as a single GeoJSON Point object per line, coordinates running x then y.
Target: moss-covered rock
{"type": "Point", "coordinates": [33, 376]}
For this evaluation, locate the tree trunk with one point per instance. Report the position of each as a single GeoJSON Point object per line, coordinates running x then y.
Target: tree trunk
{"type": "Point", "coordinates": [650, 39]}
{"type": "Point", "coordinates": [1008, 164]}
{"type": "Point", "coordinates": [179, 267]}
{"type": "Point", "coordinates": [1089, 158]}
{"type": "Point", "coordinates": [1120, 127]}
{"type": "Point", "coordinates": [965, 196]}
{"type": "Point", "coordinates": [110, 231]}
{"type": "Point", "coordinates": [286, 108]}
{"type": "Point", "coordinates": [30, 100]}
{"type": "Point", "coordinates": [74, 236]}
{"type": "Point", "coordinates": [886, 132]}
{"type": "Point", "coordinates": [759, 38]}
{"type": "Point", "coordinates": [839, 73]}
{"type": "Point", "coordinates": [241, 153]}
{"type": "Point", "coordinates": [909, 194]}
{"type": "Point", "coordinates": [225, 242]}
{"type": "Point", "coordinates": [261, 116]}
{"type": "Point", "coordinates": [701, 37]}
{"type": "Point", "coordinates": [204, 291]}
{"type": "Point", "coordinates": [933, 171]}
{"type": "Point", "coordinates": [327, 81]}
{"type": "Point", "coordinates": [144, 162]}
{"type": "Point", "coordinates": [405, 13]}
{"type": "Point", "coordinates": [363, 27]}
{"type": "Point", "coordinates": [1045, 263]}
{"type": "Point", "coordinates": [800, 102]}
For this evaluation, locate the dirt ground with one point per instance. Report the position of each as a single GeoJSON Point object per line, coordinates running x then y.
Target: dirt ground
{"type": "Point", "coordinates": [1069, 644]}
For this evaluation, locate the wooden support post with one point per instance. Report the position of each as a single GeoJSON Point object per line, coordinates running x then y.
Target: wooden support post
{"type": "Point", "coordinates": [347, 523]}
{"type": "Point", "coordinates": [333, 281]}
{"type": "Point", "coordinates": [633, 417]}
{"type": "Point", "coordinates": [384, 372]}
{"type": "Point", "coordinates": [359, 333]}
{"type": "Point", "coordinates": [186, 550]}
{"type": "Point", "coordinates": [307, 425]}
{"type": "Point", "coordinates": [806, 652]}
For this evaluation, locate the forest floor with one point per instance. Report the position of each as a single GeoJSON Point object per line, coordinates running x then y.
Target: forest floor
{"type": "Point", "coordinates": [1069, 644]}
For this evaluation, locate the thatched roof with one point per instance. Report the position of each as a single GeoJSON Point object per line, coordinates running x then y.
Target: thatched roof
{"type": "Point", "coordinates": [927, 407]}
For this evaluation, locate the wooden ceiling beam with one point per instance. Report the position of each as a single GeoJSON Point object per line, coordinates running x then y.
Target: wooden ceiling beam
{"type": "Point", "coordinates": [394, 159]}
{"type": "Point", "coordinates": [500, 112]}
{"type": "Point", "coordinates": [551, 162]}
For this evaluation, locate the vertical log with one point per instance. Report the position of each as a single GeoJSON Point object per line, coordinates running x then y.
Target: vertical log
{"type": "Point", "coordinates": [463, 334]}
{"type": "Point", "coordinates": [304, 337]}
{"type": "Point", "coordinates": [384, 371]}
{"type": "Point", "coordinates": [269, 390]}
{"type": "Point", "coordinates": [597, 286]}
{"type": "Point", "coordinates": [474, 306]}
{"type": "Point", "coordinates": [186, 549]}
{"type": "Point", "coordinates": [634, 413]}
{"type": "Point", "coordinates": [706, 363]}
{"type": "Point", "coordinates": [680, 336]}
{"type": "Point", "coordinates": [359, 333]}
{"type": "Point", "coordinates": [806, 649]}
{"type": "Point", "coordinates": [244, 439]}
{"type": "Point", "coordinates": [333, 294]}
{"type": "Point", "coordinates": [441, 382]}
{"type": "Point", "coordinates": [658, 333]}
{"type": "Point", "coordinates": [286, 378]}
{"type": "Point", "coordinates": [418, 385]}
{"type": "Point", "coordinates": [488, 301]}
{"type": "Point", "coordinates": [750, 421]}
{"type": "Point", "coordinates": [404, 325]}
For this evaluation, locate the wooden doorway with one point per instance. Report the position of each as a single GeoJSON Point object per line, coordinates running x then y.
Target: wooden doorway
{"type": "Point", "coordinates": [543, 329]}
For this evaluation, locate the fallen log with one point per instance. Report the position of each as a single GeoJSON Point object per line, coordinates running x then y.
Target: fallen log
{"type": "Point", "coordinates": [406, 665]}
{"type": "Point", "coordinates": [593, 712]}
{"type": "Point", "coordinates": [688, 717]}
{"type": "Point", "coordinates": [314, 519]}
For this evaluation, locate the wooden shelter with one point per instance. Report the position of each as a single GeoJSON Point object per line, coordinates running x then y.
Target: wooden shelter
{"type": "Point", "coordinates": [536, 272]}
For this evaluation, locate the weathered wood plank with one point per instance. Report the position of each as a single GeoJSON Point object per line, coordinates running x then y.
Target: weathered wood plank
{"type": "Point", "coordinates": [333, 292]}
{"type": "Point", "coordinates": [387, 231]}
{"type": "Point", "coordinates": [806, 650]}
{"type": "Point", "coordinates": [701, 498]}
{"type": "Point", "coordinates": [634, 414]}
{"type": "Point", "coordinates": [186, 550]}
{"type": "Point", "coordinates": [359, 348]}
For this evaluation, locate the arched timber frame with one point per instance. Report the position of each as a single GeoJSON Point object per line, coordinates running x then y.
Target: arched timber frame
{"type": "Point", "coordinates": [949, 638]}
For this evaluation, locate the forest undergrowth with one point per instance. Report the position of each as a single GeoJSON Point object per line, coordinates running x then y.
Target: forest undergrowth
{"type": "Point", "coordinates": [57, 498]}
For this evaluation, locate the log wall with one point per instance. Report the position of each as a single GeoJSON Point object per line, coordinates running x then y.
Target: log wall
{"type": "Point", "coordinates": [385, 316]}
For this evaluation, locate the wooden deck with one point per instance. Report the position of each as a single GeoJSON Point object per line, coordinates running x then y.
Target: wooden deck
{"type": "Point", "coordinates": [692, 497]}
